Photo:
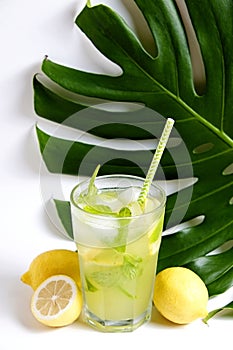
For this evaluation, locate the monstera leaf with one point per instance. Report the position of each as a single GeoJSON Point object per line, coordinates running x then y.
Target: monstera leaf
{"type": "Point", "coordinates": [163, 83]}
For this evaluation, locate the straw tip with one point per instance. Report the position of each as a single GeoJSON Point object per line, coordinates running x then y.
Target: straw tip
{"type": "Point", "coordinates": [170, 120]}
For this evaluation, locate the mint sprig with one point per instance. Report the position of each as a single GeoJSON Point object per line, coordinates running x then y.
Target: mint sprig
{"type": "Point", "coordinates": [92, 189]}
{"type": "Point", "coordinates": [116, 276]}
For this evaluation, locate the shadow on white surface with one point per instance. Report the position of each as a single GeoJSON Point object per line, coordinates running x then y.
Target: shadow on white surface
{"type": "Point", "coordinates": [159, 321]}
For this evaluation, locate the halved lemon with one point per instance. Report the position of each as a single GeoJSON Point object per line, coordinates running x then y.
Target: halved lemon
{"type": "Point", "coordinates": [57, 301]}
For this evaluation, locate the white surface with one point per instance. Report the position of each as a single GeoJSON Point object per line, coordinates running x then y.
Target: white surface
{"type": "Point", "coordinates": [29, 30]}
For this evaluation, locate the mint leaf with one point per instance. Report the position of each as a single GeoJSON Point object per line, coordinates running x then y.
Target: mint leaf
{"type": "Point", "coordinates": [131, 267]}
{"type": "Point", "coordinates": [99, 209]}
{"type": "Point", "coordinates": [108, 277]}
{"type": "Point", "coordinates": [157, 231]}
{"type": "Point", "coordinates": [115, 276]}
{"type": "Point", "coordinates": [124, 212]}
{"type": "Point", "coordinates": [90, 287]}
{"type": "Point", "coordinates": [129, 295]}
{"type": "Point", "coordinates": [120, 240]}
{"type": "Point", "coordinates": [92, 190]}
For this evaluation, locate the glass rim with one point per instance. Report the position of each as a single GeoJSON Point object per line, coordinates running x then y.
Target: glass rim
{"type": "Point", "coordinates": [109, 217]}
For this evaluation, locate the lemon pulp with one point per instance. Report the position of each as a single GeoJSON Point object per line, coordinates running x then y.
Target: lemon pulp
{"type": "Point", "coordinates": [57, 301]}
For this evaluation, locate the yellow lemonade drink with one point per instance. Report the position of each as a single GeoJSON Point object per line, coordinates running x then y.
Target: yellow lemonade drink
{"type": "Point", "coordinates": [118, 244]}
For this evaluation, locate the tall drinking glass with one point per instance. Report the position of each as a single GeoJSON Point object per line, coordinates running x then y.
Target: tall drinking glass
{"type": "Point", "coordinates": [118, 246]}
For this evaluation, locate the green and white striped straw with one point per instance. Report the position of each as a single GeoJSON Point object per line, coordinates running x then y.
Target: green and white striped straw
{"type": "Point", "coordinates": [155, 161]}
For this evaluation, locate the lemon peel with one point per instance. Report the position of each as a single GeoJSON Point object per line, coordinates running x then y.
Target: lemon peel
{"type": "Point", "coordinates": [52, 262]}
{"type": "Point", "coordinates": [57, 302]}
{"type": "Point", "coordinates": [180, 295]}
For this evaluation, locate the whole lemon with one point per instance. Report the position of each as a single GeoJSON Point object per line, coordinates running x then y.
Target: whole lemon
{"type": "Point", "coordinates": [52, 262]}
{"type": "Point", "coordinates": [180, 295]}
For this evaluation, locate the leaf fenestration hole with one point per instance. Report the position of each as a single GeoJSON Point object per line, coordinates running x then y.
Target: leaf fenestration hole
{"type": "Point", "coordinates": [205, 147]}
{"type": "Point", "coordinates": [231, 201]}
{"type": "Point", "coordinates": [141, 28]}
{"type": "Point", "coordinates": [228, 170]}
{"type": "Point", "coordinates": [222, 248]}
{"type": "Point", "coordinates": [198, 67]}
{"type": "Point", "coordinates": [185, 225]}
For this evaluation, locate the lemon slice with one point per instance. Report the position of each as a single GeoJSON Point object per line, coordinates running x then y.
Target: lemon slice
{"type": "Point", "coordinates": [57, 301]}
{"type": "Point", "coordinates": [109, 258]}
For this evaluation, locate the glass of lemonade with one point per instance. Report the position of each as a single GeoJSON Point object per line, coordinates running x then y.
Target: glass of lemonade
{"type": "Point", "coordinates": [118, 243]}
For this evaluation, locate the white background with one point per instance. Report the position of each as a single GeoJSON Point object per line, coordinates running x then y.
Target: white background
{"type": "Point", "coordinates": [29, 30]}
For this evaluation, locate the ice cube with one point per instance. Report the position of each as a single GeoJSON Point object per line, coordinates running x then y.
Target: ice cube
{"type": "Point", "coordinates": [151, 204]}
{"type": "Point", "coordinates": [127, 196]}
{"type": "Point", "coordinates": [109, 199]}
